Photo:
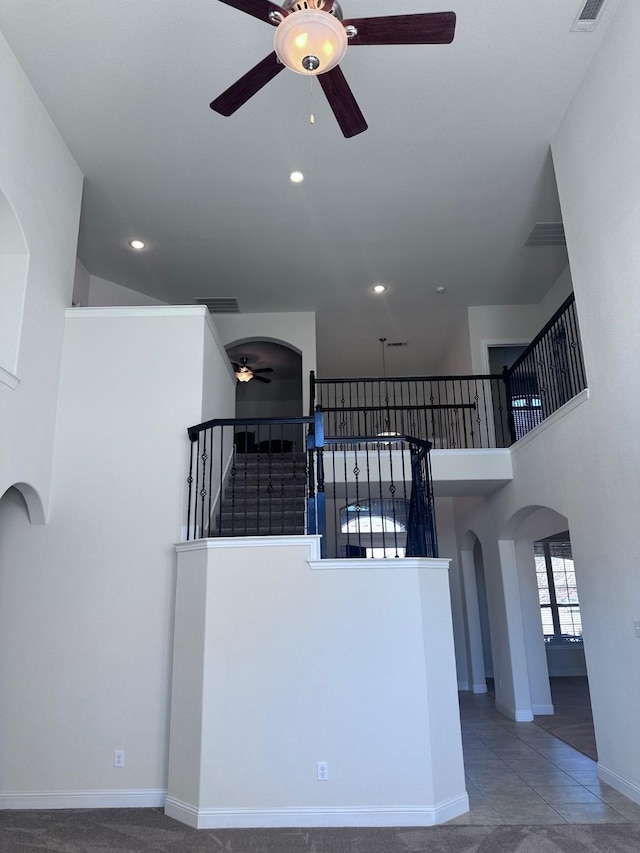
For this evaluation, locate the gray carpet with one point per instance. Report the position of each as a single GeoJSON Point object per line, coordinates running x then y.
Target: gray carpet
{"type": "Point", "coordinates": [144, 830]}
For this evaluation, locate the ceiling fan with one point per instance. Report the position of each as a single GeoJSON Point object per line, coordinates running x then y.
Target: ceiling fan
{"type": "Point", "coordinates": [245, 373]}
{"type": "Point", "coordinates": [312, 38]}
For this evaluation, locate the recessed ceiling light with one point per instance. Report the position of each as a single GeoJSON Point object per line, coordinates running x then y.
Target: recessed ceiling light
{"type": "Point", "coordinates": [441, 289]}
{"type": "Point", "coordinates": [296, 177]}
{"type": "Point", "coordinates": [379, 288]}
{"type": "Point", "coordinates": [137, 244]}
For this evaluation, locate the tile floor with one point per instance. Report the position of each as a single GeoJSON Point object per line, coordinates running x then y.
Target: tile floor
{"type": "Point", "coordinates": [517, 773]}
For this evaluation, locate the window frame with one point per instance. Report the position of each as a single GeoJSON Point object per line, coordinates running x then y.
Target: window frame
{"type": "Point", "coordinates": [553, 606]}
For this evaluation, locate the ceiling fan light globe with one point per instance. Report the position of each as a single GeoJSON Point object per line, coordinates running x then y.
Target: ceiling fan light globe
{"type": "Point", "coordinates": [311, 33]}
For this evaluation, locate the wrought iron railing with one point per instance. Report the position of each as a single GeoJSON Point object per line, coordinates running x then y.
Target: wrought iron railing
{"type": "Point", "coordinates": [548, 373]}
{"type": "Point", "coordinates": [247, 477]}
{"type": "Point", "coordinates": [483, 411]}
{"type": "Point", "coordinates": [367, 485]}
{"type": "Point", "coordinates": [267, 476]}
{"type": "Point", "coordinates": [449, 411]}
{"type": "Point", "coordinates": [377, 496]}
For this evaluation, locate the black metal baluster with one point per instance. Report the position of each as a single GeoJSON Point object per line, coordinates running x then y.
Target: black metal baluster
{"type": "Point", "coordinates": [392, 492]}
{"type": "Point", "coordinates": [464, 398]}
{"type": "Point", "coordinates": [203, 489]}
{"type": "Point", "coordinates": [576, 350]}
{"type": "Point", "coordinates": [189, 485]}
{"type": "Point", "coordinates": [210, 505]}
{"type": "Point", "coordinates": [405, 499]}
{"type": "Point", "coordinates": [369, 499]}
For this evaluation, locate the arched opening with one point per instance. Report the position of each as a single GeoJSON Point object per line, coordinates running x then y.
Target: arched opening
{"type": "Point", "coordinates": [27, 497]}
{"type": "Point", "coordinates": [476, 615]}
{"type": "Point", "coordinates": [13, 280]}
{"type": "Point", "coordinates": [549, 595]}
{"type": "Point", "coordinates": [275, 388]}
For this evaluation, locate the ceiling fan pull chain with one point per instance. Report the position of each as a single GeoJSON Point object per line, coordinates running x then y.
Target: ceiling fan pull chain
{"type": "Point", "coordinates": [312, 118]}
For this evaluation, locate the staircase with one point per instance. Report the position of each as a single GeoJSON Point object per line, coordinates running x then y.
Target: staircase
{"type": "Point", "coordinates": [264, 494]}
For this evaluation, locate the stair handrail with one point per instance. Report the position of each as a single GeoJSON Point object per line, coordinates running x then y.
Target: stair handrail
{"type": "Point", "coordinates": [193, 431]}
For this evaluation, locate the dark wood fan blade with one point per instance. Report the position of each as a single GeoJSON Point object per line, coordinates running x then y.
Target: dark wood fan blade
{"type": "Point", "coordinates": [235, 96]}
{"type": "Point", "coordinates": [262, 370]}
{"type": "Point", "coordinates": [261, 378]}
{"type": "Point", "coordinates": [235, 366]}
{"type": "Point", "coordinates": [342, 102]}
{"type": "Point", "coordinates": [257, 8]}
{"type": "Point", "coordinates": [425, 28]}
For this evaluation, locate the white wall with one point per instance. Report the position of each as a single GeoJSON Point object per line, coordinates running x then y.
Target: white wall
{"type": "Point", "coordinates": [497, 325]}
{"type": "Point", "coordinates": [280, 663]}
{"type": "Point", "coordinates": [42, 185]}
{"type": "Point", "coordinates": [87, 600]}
{"type": "Point", "coordinates": [447, 548]}
{"type": "Point", "coordinates": [103, 293]}
{"type": "Point", "coordinates": [555, 296]}
{"type": "Point", "coordinates": [295, 329]}
{"type": "Point", "coordinates": [599, 187]}
{"type": "Point", "coordinates": [81, 282]}
{"type": "Point", "coordinates": [456, 360]}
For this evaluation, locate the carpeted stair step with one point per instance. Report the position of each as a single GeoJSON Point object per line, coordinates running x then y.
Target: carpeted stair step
{"type": "Point", "coordinates": [276, 516]}
{"type": "Point", "coordinates": [264, 494]}
{"type": "Point", "coordinates": [251, 527]}
{"type": "Point", "coordinates": [264, 489]}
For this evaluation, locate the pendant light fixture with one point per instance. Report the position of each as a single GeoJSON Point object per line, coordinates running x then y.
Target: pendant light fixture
{"type": "Point", "coordinates": [387, 431]}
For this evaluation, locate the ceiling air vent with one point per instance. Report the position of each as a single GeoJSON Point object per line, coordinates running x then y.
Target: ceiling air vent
{"type": "Point", "coordinates": [547, 234]}
{"type": "Point", "coordinates": [397, 344]}
{"type": "Point", "coordinates": [588, 17]}
{"type": "Point", "coordinates": [219, 304]}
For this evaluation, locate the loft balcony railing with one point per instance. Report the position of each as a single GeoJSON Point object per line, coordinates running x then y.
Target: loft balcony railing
{"type": "Point", "coordinates": [379, 497]}
{"type": "Point", "coordinates": [357, 470]}
{"type": "Point", "coordinates": [449, 411]}
{"type": "Point", "coordinates": [470, 411]}
{"type": "Point", "coordinates": [367, 497]}
{"type": "Point", "coordinates": [547, 374]}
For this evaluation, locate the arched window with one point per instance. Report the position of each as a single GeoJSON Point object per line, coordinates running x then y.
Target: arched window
{"type": "Point", "coordinates": [13, 279]}
{"type": "Point", "coordinates": [374, 516]}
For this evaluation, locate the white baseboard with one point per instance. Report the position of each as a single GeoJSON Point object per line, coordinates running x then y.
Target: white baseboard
{"type": "Point", "coordinates": [316, 817]}
{"type": "Point", "coordinates": [144, 798]}
{"type": "Point", "coordinates": [479, 688]}
{"type": "Point", "coordinates": [542, 710]}
{"type": "Point", "coordinates": [629, 789]}
{"type": "Point", "coordinates": [520, 715]}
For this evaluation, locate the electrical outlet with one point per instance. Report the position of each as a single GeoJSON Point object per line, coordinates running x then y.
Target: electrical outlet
{"type": "Point", "coordinates": [118, 757]}
{"type": "Point", "coordinates": [323, 771]}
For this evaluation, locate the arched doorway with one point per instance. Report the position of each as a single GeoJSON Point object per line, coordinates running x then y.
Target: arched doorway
{"type": "Point", "coordinates": [548, 582]}
{"type": "Point", "coordinates": [476, 613]}
{"type": "Point", "coordinates": [276, 387]}
{"type": "Point", "coordinates": [21, 640]}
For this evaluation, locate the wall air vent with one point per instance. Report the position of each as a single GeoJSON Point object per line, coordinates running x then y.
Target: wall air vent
{"type": "Point", "coordinates": [588, 17]}
{"type": "Point", "coordinates": [546, 234]}
{"type": "Point", "coordinates": [219, 304]}
{"type": "Point", "coordinates": [397, 344]}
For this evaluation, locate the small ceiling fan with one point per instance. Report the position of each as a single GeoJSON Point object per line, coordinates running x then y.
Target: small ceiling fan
{"type": "Point", "coordinates": [245, 373]}
{"type": "Point", "coordinates": [311, 38]}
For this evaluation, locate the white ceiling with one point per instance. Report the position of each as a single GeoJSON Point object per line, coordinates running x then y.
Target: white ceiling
{"type": "Point", "coordinates": [443, 189]}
